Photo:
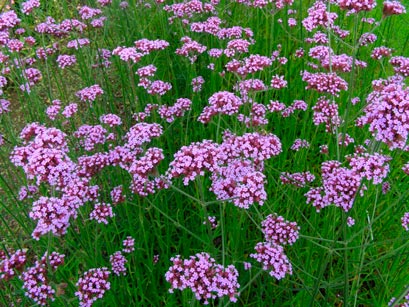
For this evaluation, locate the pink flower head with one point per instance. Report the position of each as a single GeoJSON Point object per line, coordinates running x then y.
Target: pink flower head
{"type": "Point", "coordinates": [279, 231]}
{"type": "Point", "coordinates": [92, 286]}
{"type": "Point", "coordinates": [118, 262]}
{"type": "Point", "coordinates": [201, 274]}
{"type": "Point", "coordinates": [89, 94]}
{"type": "Point", "coordinates": [101, 212]}
{"type": "Point", "coordinates": [64, 60]}
{"type": "Point", "coordinates": [272, 259]}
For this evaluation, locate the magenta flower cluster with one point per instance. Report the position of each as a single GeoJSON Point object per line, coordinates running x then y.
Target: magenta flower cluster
{"type": "Point", "coordinates": [207, 279]}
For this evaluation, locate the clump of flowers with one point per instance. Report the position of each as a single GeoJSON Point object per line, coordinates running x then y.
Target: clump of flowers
{"type": "Point", "coordinates": [386, 113]}
{"type": "Point", "coordinates": [207, 279]}
{"type": "Point", "coordinates": [92, 286]}
{"type": "Point", "coordinates": [273, 259]}
{"type": "Point", "coordinates": [279, 231]}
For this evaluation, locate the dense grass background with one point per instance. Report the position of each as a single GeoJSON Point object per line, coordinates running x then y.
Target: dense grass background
{"type": "Point", "coordinates": [334, 265]}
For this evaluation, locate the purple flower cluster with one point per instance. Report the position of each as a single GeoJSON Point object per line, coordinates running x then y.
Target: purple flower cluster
{"type": "Point", "coordinates": [177, 110]}
{"type": "Point", "coordinates": [279, 231]}
{"type": "Point", "coordinates": [386, 113]}
{"type": "Point", "coordinates": [118, 262]}
{"type": "Point", "coordinates": [89, 94]}
{"type": "Point", "coordinates": [297, 179]}
{"type": "Point", "coordinates": [220, 103]}
{"type": "Point", "coordinates": [35, 278]}
{"type": "Point", "coordinates": [207, 279]}
{"type": "Point", "coordinates": [329, 83]}
{"type": "Point", "coordinates": [92, 286]}
{"type": "Point", "coordinates": [273, 259]}
{"type": "Point", "coordinates": [340, 187]}
{"type": "Point", "coordinates": [12, 264]}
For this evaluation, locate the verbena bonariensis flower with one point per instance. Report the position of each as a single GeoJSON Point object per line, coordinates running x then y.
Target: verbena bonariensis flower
{"type": "Point", "coordinates": [297, 179]}
{"type": "Point", "coordinates": [53, 110]}
{"type": "Point", "coordinates": [405, 221]}
{"type": "Point", "coordinates": [189, 8]}
{"type": "Point", "coordinates": [393, 8]}
{"type": "Point", "coordinates": [87, 12]}
{"type": "Point", "coordinates": [35, 279]}
{"type": "Point", "coordinates": [146, 71]}
{"type": "Point", "coordinates": [373, 167]}
{"type": "Point", "coordinates": [104, 2]}
{"type": "Point", "coordinates": [9, 20]}
{"type": "Point", "coordinates": [318, 15]}
{"type": "Point", "coordinates": [380, 52]}
{"type": "Point", "coordinates": [92, 286]}
{"type": "Point", "coordinates": [325, 82]}
{"type": "Point", "coordinates": [190, 49]}
{"type": "Point", "coordinates": [128, 53]}
{"type": "Point", "coordinates": [4, 106]}
{"type": "Point", "coordinates": [197, 84]}
{"type": "Point", "coordinates": [12, 264]}
{"type": "Point", "coordinates": [273, 259]}
{"type": "Point", "coordinates": [78, 43]}
{"type": "Point", "coordinates": [177, 110]}
{"type": "Point", "coordinates": [239, 182]}
{"type": "Point", "coordinates": [90, 136]}
{"type": "Point", "coordinates": [146, 46]}
{"type": "Point", "coordinates": [159, 87]}
{"type": "Point", "coordinates": [70, 110]}
{"type": "Point", "coordinates": [253, 146]}
{"type": "Point", "coordinates": [387, 112]}
{"type": "Point", "coordinates": [142, 133]}
{"type": "Point", "coordinates": [90, 94]}
{"type": "Point", "coordinates": [350, 221]}
{"type": "Point", "coordinates": [278, 82]}
{"type": "Point", "coordinates": [28, 6]}
{"type": "Point", "coordinates": [367, 38]}
{"type": "Point", "coordinates": [128, 245]}
{"type": "Point", "coordinates": [299, 143]}
{"type": "Point", "coordinates": [356, 5]}
{"type": "Point", "coordinates": [211, 25]}
{"type": "Point", "coordinates": [206, 278]}
{"type": "Point", "coordinates": [400, 65]}
{"type": "Point", "coordinates": [118, 262]}
{"type": "Point", "coordinates": [53, 215]}
{"type": "Point", "coordinates": [110, 119]}
{"type": "Point", "coordinates": [101, 212]}
{"type": "Point", "coordinates": [65, 60]}
{"type": "Point", "coordinates": [220, 103]}
{"type": "Point", "coordinates": [326, 113]}
{"type": "Point", "coordinates": [248, 65]}
{"type": "Point", "coordinates": [257, 116]}
{"type": "Point", "coordinates": [193, 160]}
{"type": "Point", "coordinates": [340, 187]}
{"type": "Point", "coordinates": [279, 231]}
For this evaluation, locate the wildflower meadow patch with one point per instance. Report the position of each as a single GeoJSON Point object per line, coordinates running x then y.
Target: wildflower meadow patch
{"type": "Point", "coordinates": [204, 152]}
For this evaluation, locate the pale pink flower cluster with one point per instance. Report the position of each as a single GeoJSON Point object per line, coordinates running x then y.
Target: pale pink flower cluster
{"type": "Point", "coordinates": [87, 12]}
{"type": "Point", "coordinates": [405, 221]}
{"type": "Point", "coordinates": [78, 43]}
{"type": "Point", "coordinates": [299, 144]}
{"type": "Point", "coordinates": [128, 245]}
{"type": "Point", "coordinates": [381, 52]}
{"type": "Point", "coordinates": [201, 274]}
{"type": "Point", "coordinates": [393, 8]}
{"type": "Point", "coordinates": [357, 5]}
{"type": "Point", "coordinates": [110, 119]}
{"type": "Point", "coordinates": [90, 136]}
